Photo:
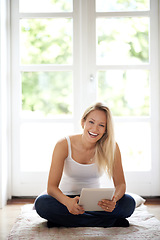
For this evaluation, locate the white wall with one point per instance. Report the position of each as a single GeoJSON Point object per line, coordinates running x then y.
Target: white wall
{"type": "Point", "coordinates": [4, 103]}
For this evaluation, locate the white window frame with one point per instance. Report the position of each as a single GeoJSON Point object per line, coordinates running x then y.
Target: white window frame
{"type": "Point", "coordinates": [84, 72]}
{"type": "Point", "coordinates": [138, 180]}
{"type": "Point", "coordinates": [16, 93]}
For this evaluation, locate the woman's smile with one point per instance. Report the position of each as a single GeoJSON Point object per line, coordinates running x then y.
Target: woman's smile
{"type": "Point", "coordinates": [93, 134]}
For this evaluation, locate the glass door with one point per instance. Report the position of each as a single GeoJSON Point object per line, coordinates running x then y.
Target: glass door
{"type": "Point", "coordinates": [69, 54]}
{"type": "Point", "coordinates": [126, 81]}
{"type": "Point", "coordinates": [44, 77]}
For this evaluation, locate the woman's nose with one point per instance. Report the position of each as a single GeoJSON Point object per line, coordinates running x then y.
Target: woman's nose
{"type": "Point", "coordinates": [95, 129]}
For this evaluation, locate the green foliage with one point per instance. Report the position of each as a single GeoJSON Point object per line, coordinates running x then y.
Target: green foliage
{"type": "Point", "coordinates": [64, 5]}
{"type": "Point", "coordinates": [47, 93]}
{"type": "Point", "coordinates": [49, 41]}
{"type": "Point", "coordinates": [134, 4]}
{"type": "Point", "coordinates": [142, 53]}
{"type": "Point", "coordinates": [46, 41]}
{"type": "Point", "coordinates": [124, 100]}
{"type": "Point", "coordinates": [129, 36]}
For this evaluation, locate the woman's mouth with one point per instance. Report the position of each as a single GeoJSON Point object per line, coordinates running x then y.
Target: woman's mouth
{"type": "Point", "coordinates": [93, 134]}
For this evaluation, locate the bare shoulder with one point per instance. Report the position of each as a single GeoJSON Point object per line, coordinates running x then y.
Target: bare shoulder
{"type": "Point", "coordinates": [62, 142]}
{"type": "Point", "coordinates": [61, 148]}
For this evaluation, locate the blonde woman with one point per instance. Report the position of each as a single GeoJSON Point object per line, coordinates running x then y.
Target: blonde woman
{"type": "Point", "coordinates": [78, 162]}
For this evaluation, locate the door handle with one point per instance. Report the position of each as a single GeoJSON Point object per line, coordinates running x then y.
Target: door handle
{"type": "Point", "coordinates": [91, 78]}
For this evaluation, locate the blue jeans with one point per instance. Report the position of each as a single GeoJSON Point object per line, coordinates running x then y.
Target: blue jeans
{"type": "Point", "coordinates": [52, 210]}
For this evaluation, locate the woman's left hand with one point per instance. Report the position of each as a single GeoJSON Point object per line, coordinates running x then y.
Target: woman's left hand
{"type": "Point", "coordinates": [107, 205]}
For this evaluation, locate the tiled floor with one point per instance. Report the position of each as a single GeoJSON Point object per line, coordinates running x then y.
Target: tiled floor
{"type": "Point", "coordinates": [10, 212]}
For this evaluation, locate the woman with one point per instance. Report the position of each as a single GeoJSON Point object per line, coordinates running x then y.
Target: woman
{"type": "Point", "coordinates": [79, 161]}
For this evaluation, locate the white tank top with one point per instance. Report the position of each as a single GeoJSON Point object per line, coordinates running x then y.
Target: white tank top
{"type": "Point", "coordinates": [77, 176]}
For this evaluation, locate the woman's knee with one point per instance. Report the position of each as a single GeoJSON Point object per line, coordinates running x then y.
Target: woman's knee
{"type": "Point", "coordinates": [40, 204]}
{"type": "Point", "coordinates": [47, 205]}
{"type": "Point", "coordinates": [129, 204]}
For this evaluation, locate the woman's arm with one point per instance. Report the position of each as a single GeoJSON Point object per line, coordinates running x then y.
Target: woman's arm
{"type": "Point", "coordinates": [56, 170]}
{"type": "Point", "coordinates": [118, 175]}
{"type": "Point", "coordinates": [60, 153]}
{"type": "Point", "coordinates": [119, 183]}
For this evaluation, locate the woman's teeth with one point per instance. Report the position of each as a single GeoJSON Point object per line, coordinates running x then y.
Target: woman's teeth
{"type": "Point", "coordinates": [93, 134]}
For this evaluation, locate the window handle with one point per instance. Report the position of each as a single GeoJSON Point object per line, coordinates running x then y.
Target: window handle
{"type": "Point", "coordinates": [91, 78]}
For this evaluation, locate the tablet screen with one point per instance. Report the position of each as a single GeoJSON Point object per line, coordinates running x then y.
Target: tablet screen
{"type": "Point", "coordinates": [90, 197]}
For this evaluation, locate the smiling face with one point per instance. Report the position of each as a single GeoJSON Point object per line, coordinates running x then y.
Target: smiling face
{"type": "Point", "coordinates": [95, 125]}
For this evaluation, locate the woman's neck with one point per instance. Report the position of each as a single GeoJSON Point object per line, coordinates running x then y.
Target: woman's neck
{"type": "Point", "coordinates": [87, 145]}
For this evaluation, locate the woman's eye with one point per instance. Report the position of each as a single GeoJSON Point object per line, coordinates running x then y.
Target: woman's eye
{"type": "Point", "coordinates": [91, 122]}
{"type": "Point", "coordinates": [102, 126]}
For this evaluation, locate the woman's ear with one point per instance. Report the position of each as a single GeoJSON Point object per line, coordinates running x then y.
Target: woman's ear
{"type": "Point", "coordinates": [82, 123]}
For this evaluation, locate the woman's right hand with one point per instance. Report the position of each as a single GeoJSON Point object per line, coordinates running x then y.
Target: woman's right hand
{"type": "Point", "coordinates": [73, 207]}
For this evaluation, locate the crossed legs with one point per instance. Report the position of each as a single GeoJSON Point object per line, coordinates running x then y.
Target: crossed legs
{"type": "Point", "coordinates": [56, 213]}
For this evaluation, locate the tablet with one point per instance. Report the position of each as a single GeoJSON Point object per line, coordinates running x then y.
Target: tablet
{"type": "Point", "coordinates": [90, 197]}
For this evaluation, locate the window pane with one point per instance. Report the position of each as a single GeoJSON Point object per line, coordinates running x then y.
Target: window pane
{"type": "Point", "coordinates": [47, 93]}
{"type": "Point", "coordinates": [46, 41]}
{"type": "Point", "coordinates": [45, 6]}
{"type": "Point", "coordinates": [127, 93]}
{"type": "Point", "coordinates": [122, 5]}
{"type": "Point", "coordinates": [37, 142]}
{"type": "Point", "coordinates": [122, 40]}
{"type": "Point", "coordinates": [135, 145]}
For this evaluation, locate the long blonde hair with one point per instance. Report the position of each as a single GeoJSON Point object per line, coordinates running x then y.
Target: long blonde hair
{"type": "Point", "coordinates": [105, 147]}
